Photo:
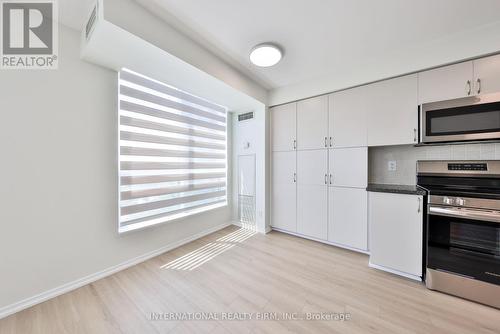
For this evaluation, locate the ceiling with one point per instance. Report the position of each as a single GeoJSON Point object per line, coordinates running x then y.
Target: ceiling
{"type": "Point", "coordinates": [320, 37]}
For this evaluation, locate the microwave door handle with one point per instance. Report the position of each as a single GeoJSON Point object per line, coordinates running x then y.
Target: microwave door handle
{"type": "Point", "coordinates": [490, 216]}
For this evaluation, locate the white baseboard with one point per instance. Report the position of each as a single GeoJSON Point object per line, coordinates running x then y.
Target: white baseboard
{"type": "Point", "coordinates": [252, 227]}
{"type": "Point", "coordinates": [395, 272]}
{"type": "Point", "coordinates": [362, 251]}
{"type": "Point", "coordinates": [37, 299]}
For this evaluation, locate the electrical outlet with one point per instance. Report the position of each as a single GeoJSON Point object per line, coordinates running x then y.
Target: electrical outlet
{"type": "Point", "coordinates": [392, 166]}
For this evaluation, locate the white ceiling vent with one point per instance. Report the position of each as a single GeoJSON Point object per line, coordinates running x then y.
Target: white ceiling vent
{"type": "Point", "coordinates": [246, 116]}
{"type": "Point", "coordinates": [89, 27]}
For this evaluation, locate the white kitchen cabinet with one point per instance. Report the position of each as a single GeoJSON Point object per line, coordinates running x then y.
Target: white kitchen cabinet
{"type": "Point", "coordinates": [487, 75]}
{"type": "Point", "coordinates": [312, 123]}
{"type": "Point", "coordinates": [312, 193]}
{"type": "Point", "coordinates": [393, 115]}
{"type": "Point", "coordinates": [446, 83]}
{"type": "Point", "coordinates": [284, 127]}
{"type": "Point", "coordinates": [330, 121]}
{"type": "Point", "coordinates": [312, 210]}
{"type": "Point", "coordinates": [348, 114]}
{"type": "Point", "coordinates": [396, 225]}
{"type": "Point", "coordinates": [312, 167]}
{"type": "Point", "coordinates": [347, 218]}
{"type": "Point", "coordinates": [284, 193]}
{"type": "Point", "coordinates": [348, 167]}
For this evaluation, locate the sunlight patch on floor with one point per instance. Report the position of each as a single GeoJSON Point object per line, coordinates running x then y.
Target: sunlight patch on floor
{"type": "Point", "coordinates": [198, 257]}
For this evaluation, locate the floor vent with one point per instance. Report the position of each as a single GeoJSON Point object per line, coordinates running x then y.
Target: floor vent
{"type": "Point", "coordinates": [246, 207]}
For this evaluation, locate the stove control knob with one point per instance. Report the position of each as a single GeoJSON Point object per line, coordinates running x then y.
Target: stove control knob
{"type": "Point", "coordinates": [447, 201]}
{"type": "Point", "coordinates": [460, 201]}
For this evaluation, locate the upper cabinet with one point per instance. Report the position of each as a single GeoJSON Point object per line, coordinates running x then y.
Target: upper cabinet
{"type": "Point", "coordinates": [312, 123]}
{"type": "Point", "coordinates": [480, 76]}
{"type": "Point", "coordinates": [393, 113]}
{"type": "Point", "coordinates": [348, 117]}
{"type": "Point", "coordinates": [284, 125]}
{"type": "Point", "coordinates": [446, 83]}
{"type": "Point", "coordinates": [487, 75]}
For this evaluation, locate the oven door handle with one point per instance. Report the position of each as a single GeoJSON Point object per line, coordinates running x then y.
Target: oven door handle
{"type": "Point", "coordinates": [490, 216]}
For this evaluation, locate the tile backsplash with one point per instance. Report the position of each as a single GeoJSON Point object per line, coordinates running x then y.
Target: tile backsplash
{"type": "Point", "coordinates": [406, 157]}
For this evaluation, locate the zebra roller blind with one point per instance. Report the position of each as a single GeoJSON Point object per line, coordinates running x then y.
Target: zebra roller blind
{"type": "Point", "coordinates": [172, 153]}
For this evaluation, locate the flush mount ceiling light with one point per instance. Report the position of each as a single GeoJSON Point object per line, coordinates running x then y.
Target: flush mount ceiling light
{"type": "Point", "coordinates": [265, 55]}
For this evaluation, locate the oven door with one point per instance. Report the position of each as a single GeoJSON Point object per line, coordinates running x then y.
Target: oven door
{"type": "Point", "coordinates": [470, 118]}
{"type": "Point", "coordinates": [464, 242]}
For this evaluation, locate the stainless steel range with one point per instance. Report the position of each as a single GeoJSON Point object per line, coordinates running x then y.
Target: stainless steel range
{"type": "Point", "coordinates": [463, 228]}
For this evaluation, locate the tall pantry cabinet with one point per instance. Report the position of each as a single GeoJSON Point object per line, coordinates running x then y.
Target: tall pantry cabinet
{"type": "Point", "coordinates": [284, 167]}
{"type": "Point", "coordinates": [318, 186]}
{"type": "Point", "coordinates": [312, 167]}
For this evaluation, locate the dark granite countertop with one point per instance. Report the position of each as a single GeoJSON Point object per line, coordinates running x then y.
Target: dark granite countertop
{"type": "Point", "coordinates": [396, 189]}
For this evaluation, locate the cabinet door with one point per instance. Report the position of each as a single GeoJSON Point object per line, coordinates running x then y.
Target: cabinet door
{"type": "Point", "coordinates": [284, 193]}
{"type": "Point", "coordinates": [330, 121]}
{"type": "Point", "coordinates": [312, 123]}
{"type": "Point", "coordinates": [349, 121]}
{"type": "Point", "coordinates": [445, 83]}
{"type": "Point", "coordinates": [283, 127]}
{"type": "Point", "coordinates": [312, 210]}
{"type": "Point", "coordinates": [393, 116]}
{"type": "Point", "coordinates": [487, 75]}
{"type": "Point", "coordinates": [348, 167]}
{"type": "Point", "coordinates": [396, 232]}
{"type": "Point", "coordinates": [347, 217]}
{"type": "Point", "coordinates": [312, 167]}
{"type": "Point", "coordinates": [312, 193]}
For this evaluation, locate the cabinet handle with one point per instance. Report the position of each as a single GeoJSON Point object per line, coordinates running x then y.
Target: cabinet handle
{"type": "Point", "coordinates": [295, 144]}
{"type": "Point", "coordinates": [469, 87]}
{"type": "Point", "coordinates": [326, 141]}
{"type": "Point", "coordinates": [415, 135]}
{"type": "Point", "coordinates": [330, 178]}
{"type": "Point", "coordinates": [326, 178]}
{"type": "Point", "coordinates": [331, 142]}
{"type": "Point", "coordinates": [418, 210]}
{"type": "Point", "coordinates": [479, 86]}
{"type": "Point", "coordinates": [294, 177]}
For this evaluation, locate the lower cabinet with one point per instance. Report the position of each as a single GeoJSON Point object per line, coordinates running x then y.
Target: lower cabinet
{"type": "Point", "coordinates": [347, 220]}
{"type": "Point", "coordinates": [312, 210]}
{"type": "Point", "coordinates": [306, 202]}
{"type": "Point", "coordinates": [284, 193]}
{"type": "Point", "coordinates": [396, 225]}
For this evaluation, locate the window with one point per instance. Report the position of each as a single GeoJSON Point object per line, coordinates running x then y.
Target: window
{"type": "Point", "coordinates": [172, 153]}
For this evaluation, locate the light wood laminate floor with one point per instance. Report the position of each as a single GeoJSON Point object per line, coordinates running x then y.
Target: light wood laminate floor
{"type": "Point", "coordinates": [237, 271]}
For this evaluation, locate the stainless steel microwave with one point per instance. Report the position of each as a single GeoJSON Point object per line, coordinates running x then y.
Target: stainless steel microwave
{"type": "Point", "coordinates": [459, 120]}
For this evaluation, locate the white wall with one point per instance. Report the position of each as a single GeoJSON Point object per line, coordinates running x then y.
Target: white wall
{"type": "Point", "coordinates": [406, 157]}
{"type": "Point", "coordinates": [58, 176]}
{"type": "Point", "coordinates": [252, 132]}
